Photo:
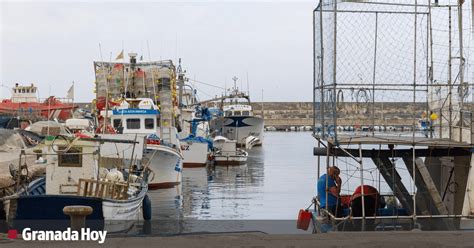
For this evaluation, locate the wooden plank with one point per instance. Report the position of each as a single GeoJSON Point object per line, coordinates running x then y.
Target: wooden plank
{"type": "Point", "coordinates": [422, 202]}
{"type": "Point", "coordinates": [394, 181]}
{"type": "Point", "coordinates": [427, 194]}
{"type": "Point", "coordinates": [431, 186]}
{"type": "Point", "coordinates": [79, 185]}
{"type": "Point", "coordinates": [86, 186]}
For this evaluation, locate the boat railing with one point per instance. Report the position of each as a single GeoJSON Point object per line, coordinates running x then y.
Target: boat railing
{"type": "Point", "coordinates": [102, 189]}
{"type": "Point", "coordinates": [61, 99]}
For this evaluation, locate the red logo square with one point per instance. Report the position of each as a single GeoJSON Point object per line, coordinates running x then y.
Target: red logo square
{"type": "Point", "coordinates": [12, 234]}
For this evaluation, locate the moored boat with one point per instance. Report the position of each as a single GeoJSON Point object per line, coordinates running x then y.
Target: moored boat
{"type": "Point", "coordinates": [24, 103]}
{"type": "Point", "coordinates": [144, 88]}
{"type": "Point", "coordinates": [74, 176]}
{"type": "Point", "coordinates": [238, 121]}
{"type": "Point", "coordinates": [227, 153]}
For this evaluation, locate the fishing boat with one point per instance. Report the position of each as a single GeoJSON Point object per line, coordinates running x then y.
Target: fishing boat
{"type": "Point", "coordinates": [74, 176]}
{"type": "Point", "coordinates": [238, 121]}
{"type": "Point", "coordinates": [140, 116]}
{"type": "Point", "coordinates": [196, 145]}
{"type": "Point", "coordinates": [226, 152]}
{"type": "Point", "coordinates": [25, 104]}
{"type": "Point", "coordinates": [144, 99]}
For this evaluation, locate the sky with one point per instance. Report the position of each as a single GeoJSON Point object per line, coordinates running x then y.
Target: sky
{"type": "Point", "coordinates": [55, 43]}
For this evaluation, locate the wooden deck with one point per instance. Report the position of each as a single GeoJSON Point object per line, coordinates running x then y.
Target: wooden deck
{"type": "Point", "coordinates": [368, 139]}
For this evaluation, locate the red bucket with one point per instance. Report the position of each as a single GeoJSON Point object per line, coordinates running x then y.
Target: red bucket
{"type": "Point", "coordinates": [304, 217]}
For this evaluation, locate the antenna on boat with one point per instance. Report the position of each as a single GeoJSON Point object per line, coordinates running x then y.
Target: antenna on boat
{"type": "Point", "coordinates": [180, 84]}
{"type": "Point", "coordinates": [248, 88]}
{"type": "Point", "coordinates": [49, 106]}
{"type": "Point", "coordinates": [225, 86]}
{"type": "Point", "coordinates": [152, 73]}
{"type": "Point", "coordinates": [235, 82]}
{"type": "Point", "coordinates": [100, 52]}
{"type": "Point", "coordinates": [263, 111]}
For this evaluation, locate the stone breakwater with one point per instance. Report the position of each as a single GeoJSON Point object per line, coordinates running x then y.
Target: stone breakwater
{"type": "Point", "coordinates": [286, 114]}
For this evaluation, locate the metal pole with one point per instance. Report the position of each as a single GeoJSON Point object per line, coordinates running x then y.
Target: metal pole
{"type": "Point", "coordinates": [430, 70]}
{"type": "Point", "coordinates": [414, 185]}
{"type": "Point", "coordinates": [450, 108]}
{"type": "Point", "coordinates": [322, 104]}
{"type": "Point", "coordinates": [327, 180]}
{"type": "Point", "coordinates": [461, 64]}
{"type": "Point", "coordinates": [314, 75]}
{"type": "Point", "coordinates": [334, 65]}
{"type": "Point", "coordinates": [362, 187]}
{"type": "Point", "coordinates": [414, 69]}
{"type": "Point", "coordinates": [374, 73]}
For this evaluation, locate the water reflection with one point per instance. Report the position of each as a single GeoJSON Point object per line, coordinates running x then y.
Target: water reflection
{"type": "Point", "coordinates": [276, 182]}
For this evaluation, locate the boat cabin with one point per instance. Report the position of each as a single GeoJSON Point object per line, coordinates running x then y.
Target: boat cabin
{"type": "Point", "coordinates": [24, 93]}
{"type": "Point", "coordinates": [68, 164]}
{"type": "Point", "coordinates": [237, 110]}
{"type": "Point", "coordinates": [138, 116]}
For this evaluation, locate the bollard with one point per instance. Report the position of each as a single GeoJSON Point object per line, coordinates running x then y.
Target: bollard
{"type": "Point", "coordinates": [78, 215]}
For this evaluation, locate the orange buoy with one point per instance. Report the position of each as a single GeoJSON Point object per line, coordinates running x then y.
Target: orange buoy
{"type": "Point", "coordinates": [304, 217]}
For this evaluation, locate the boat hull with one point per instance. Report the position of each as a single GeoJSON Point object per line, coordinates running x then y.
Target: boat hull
{"type": "Point", "coordinates": [195, 154]}
{"type": "Point", "coordinates": [240, 127]}
{"type": "Point", "coordinates": [166, 164]}
{"type": "Point", "coordinates": [61, 111]}
{"type": "Point", "coordinates": [230, 160]}
{"type": "Point", "coordinates": [108, 214]}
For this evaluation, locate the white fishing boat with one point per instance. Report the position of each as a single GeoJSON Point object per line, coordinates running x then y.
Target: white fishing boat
{"type": "Point", "coordinates": [196, 146]}
{"type": "Point", "coordinates": [147, 88]}
{"type": "Point", "coordinates": [76, 176]}
{"type": "Point", "coordinates": [238, 121]}
{"type": "Point", "coordinates": [194, 140]}
{"type": "Point", "coordinates": [166, 162]}
{"type": "Point", "coordinates": [139, 116]}
{"type": "Point", "coordinates": [227, 153]}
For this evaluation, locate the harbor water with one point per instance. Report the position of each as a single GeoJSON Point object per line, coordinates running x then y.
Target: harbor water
{"type": "Point", "coordinates": [276, 182]}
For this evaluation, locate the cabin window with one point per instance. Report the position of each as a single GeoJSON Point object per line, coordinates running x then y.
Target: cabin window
{"type": "Point", "coordinates": [117, 123]}
{"type": "Point", "coordinates": [245, 113]}
{"type": "Point", "coordinates": [27, 90]}
{"type": "Point", "coordinates": [236, 113]}
{"type": "Point", "coordinates": [133, 123]}
{"type": "Point", "coordinates": [149, 123]}
{"type": "Point", "coordinates": [71, 158]}
{"type": "Point", "coordinates": [228, 113]}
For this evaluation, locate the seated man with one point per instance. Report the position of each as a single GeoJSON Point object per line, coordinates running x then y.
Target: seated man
{"type": "Point", "coordinates": [329, 185]}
